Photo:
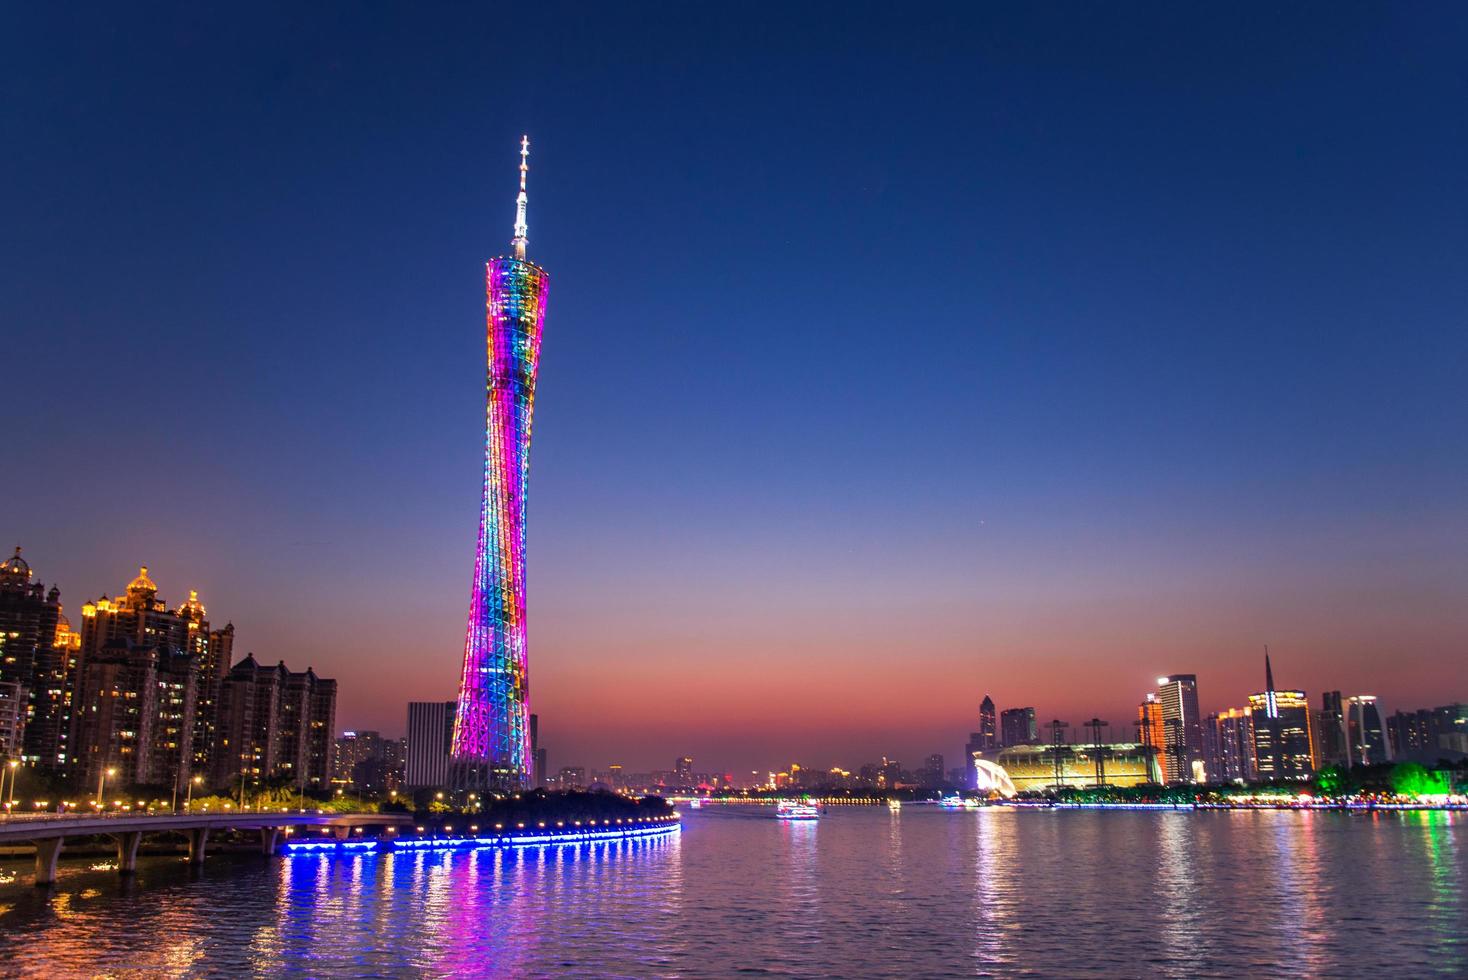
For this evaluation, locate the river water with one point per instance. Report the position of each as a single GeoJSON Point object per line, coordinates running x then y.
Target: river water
{"type": "Point", "coordinates": [922, 892]}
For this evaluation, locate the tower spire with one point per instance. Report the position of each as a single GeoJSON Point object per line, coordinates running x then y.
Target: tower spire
{"type": "Point", "coordinates": [520, 227]}
{"type": "Point", "coordinates": [1271, 703]}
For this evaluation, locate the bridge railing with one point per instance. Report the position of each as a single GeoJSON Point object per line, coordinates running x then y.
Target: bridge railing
{"type": "Point", "coordinates": [31, 816]}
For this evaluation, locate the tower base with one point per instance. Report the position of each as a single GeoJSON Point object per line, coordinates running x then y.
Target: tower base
{"type": "Point", "coordinates": [484, 777]}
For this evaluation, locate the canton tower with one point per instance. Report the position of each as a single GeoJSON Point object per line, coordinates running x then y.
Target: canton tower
{"type": "Point", "coordinates": [491, 745]}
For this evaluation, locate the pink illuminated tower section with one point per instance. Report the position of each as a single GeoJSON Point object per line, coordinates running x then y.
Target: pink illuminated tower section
{"type": "Point", "coordinates": [491, 746]}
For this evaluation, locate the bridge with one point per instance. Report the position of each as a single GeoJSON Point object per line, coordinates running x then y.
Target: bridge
{"type": "Point", "coordinates": [48, 832]}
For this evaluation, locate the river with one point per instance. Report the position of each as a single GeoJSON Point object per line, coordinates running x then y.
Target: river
{"type": "Point", "coordinates": [862, 892]}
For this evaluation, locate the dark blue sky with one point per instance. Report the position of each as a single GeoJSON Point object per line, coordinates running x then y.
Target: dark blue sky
{"type": "Point", "coordinates": [892, 356]}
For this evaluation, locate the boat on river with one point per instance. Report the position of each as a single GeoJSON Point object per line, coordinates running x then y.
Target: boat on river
{"type": "Point", "coordinates": [795, 810]}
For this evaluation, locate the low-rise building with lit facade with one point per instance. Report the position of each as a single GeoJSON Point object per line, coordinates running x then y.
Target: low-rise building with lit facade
{"type": "Point", "coordinates": [1033, 767]}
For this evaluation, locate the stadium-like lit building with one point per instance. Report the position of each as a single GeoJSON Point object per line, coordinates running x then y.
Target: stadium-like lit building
{"type": "Point", "coordinates": [1033, 767]}
{"type": "Point", "coordinates": [491, 741]}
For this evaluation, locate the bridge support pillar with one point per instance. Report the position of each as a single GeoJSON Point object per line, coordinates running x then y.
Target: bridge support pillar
{"type": "Point", "coordinates": [197, 839]}
{"type": "Point", "coordinates": [268, 837]}
{"type": "Point", "coordinates": [127, 851]}
{"type": "Point", "coordinates": [47, 851]}
{"type": "Point", "coordinates": [342, 833]}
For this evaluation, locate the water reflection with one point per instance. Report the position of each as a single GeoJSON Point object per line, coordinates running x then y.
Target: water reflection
{"type": "Point", "coordinates": [860, 893]}
{"type": "Point", "coordinates": [1177, 888]}
{"type": "Point", "coordinates": [1442, 851]}
{"type": "Point", "coordinates": [994, 899]}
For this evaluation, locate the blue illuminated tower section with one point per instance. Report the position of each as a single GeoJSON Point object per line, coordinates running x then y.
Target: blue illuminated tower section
{"type": "Point", "coordinates": [491, 746]}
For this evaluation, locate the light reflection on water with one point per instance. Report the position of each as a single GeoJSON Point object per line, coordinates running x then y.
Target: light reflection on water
{"type": "Point", "coordinates": [862, 892]}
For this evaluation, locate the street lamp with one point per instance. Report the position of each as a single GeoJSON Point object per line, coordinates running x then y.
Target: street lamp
{"type": "Point", "coordinates": [102, 776]}
{"type": "Point", "coordinates": [11, 765]}
{"type": "Point", "coordinates": [189, 799]}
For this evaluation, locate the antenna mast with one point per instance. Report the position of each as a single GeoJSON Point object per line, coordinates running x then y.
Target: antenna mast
{"type": "Point", "coordinates": [521, 229]}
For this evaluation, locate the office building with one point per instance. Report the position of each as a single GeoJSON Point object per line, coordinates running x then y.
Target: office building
{"type": "Point", "coordinates": [430, 739]}
{"type": "Point", "coordinates": [1182, 729]}
{"type": "Point", "coordinates": [1366, 731]}
{"type": "Point", "coordinates": [491, 746]}
{"type": "Point", "coordinates": [368, 763]}
{"type": "Point", "coordinates": [931, 775]}
{"type": "Point", "coordinates": [1151, 736]}
{"type": "Point", "coordinates": [1283, 747]}
{"type": "Point", "coordinates": [988, 726]}
{"type": "Point", "coordinates": [1429, 734]}
{"type": "Point", "coordinates": [537, 754]}
{"type": "Point", "coordinates": [1017, 726]}
{"type": "Point", "coordinates": [1332, 742]}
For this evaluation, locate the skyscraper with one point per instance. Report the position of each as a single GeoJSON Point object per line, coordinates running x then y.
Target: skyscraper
{"type": "Point", "coordinates": [1017, 726]}
{"type": "Point", "coordinates": [1366, 731]}
{"type": "Point", "coordinates": [1229, 745]}
{"type": "Point", "coordinates": [988, 729]}
{"type": "Point", "coordinates": [491, 744]}
{"type": "Point", "coordinates": [33, 667]}
{"type": "Point", "coordinates": [430, 739]}
{"type": "Point", "coordinates": [1330, 731]}
{"type": "Point", "coordinates": [1182, 728]}
{"type": "Point", "coordinates": [1151, 737]}
{"type": "Point", "coordinates": [1282, 747]}
{"type": "Point", "coordinates": [274, 724]}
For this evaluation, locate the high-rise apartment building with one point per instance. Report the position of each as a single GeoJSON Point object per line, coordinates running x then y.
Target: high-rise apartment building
{"type": "Point", "coordinates": [1017, 727]}
{"type": "Point", "coordinates": [34, 659]}
{"type": "Point", "coordinates": [134, 693]}
{"type": "Point", "coordinates": [135, 715]}
{"type": "Point", "coordinates": [1182, 729]}
{"type": "Point", "coordinates": [1228, 745]}
{"type": "Point", "coordinates": [430, 740]}
{"type": "Point", "coordinates": [491, 745]}
{"type": "Point", "coordinates": [274, 724]}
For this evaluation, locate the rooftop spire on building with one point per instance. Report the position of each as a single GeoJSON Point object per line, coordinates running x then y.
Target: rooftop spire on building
{"type": "Point", "coordinates": [1271, 704]}
{"type": "Point", "coordinates": [521, 229]}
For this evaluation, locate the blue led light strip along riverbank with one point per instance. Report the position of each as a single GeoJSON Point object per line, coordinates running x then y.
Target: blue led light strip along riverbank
{"type": "Point", "coordinates": [499, 840]}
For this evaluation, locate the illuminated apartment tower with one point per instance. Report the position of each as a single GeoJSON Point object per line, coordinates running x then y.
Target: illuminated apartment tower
{"type": "Point", "coordinates": [491, 745]}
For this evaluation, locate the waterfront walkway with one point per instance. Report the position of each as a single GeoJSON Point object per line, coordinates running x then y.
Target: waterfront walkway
{"type": "Point", "coordinates": [49, 831]}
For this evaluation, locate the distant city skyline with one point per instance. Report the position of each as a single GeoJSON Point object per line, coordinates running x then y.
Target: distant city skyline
{"type": "Point", "coordinates": [1008, 722]}
{"type": "Point", "coordinates": [1036, 353]}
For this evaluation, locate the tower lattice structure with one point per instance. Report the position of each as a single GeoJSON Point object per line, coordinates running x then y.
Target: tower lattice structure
{"type": "Point", "coordinates": [491, 742]}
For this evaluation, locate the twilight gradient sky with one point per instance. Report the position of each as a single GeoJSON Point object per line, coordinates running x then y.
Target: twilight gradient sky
{"type": "Point", "coordinates": [890, 360]}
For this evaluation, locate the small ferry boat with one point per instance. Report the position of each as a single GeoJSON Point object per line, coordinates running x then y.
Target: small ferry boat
{"type": "Point", "coordinates": [894, 804]}
{"type": "Point", "coordinates": [794, 810]}
{"type": "Point", "coordinates": [954, 802]}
